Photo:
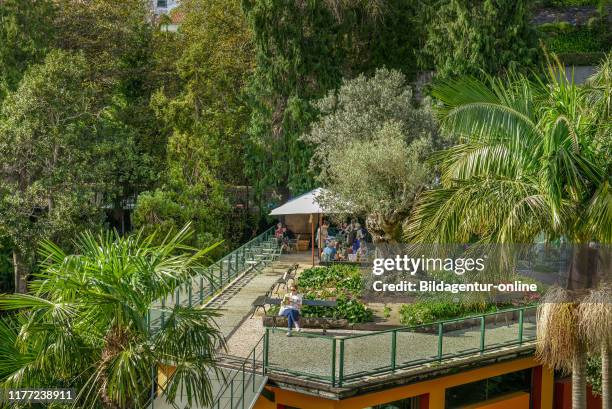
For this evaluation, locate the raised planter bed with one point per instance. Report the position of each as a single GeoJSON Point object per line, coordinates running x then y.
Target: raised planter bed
{"type": "Point", "coordinates": [307, 322]}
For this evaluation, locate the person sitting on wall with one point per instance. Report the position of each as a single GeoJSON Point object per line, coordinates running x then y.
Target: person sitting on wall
{"type": "Point", "coordinates": [290, 308]}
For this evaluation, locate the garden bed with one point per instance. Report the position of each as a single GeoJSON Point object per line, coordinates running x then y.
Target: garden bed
{"type": "Point", "coordinates": [340, 283]}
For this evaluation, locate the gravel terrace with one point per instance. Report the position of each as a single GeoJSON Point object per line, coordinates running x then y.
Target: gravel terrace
{"type": "Point", "coordinates": [311, 355]}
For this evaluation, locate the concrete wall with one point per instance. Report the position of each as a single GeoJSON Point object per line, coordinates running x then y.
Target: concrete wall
{"type": "Point", "coordinates": [581, 72]}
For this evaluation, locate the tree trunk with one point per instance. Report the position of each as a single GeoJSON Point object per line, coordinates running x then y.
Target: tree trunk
{"type": "Point", "coordinates": [605, 377]}
{"type": "Point", "coordinates": [21, 272]}
{"type": "Point", "coordinates": [583, 268]}
{"type": "Point", "coordinates": [579, 380]}
{"type": "Point", "coordinates": [382, 229]}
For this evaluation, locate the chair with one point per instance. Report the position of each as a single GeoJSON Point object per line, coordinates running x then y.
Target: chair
{"type": "Point", "coordinates": [284, 280]}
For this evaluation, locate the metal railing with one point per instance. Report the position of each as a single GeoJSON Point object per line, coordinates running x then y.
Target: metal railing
{"type": "Point", "coordinates": [247, 378]}
{"type": "Point", "coordinates": [214, 278]}
{"type": "Point", "coordinates": [252, 255]}
{"type": "Point", "coordinates": [340, 360]}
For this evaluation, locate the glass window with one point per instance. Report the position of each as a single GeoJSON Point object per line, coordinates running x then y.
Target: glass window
{"type": "Point", "coordinates": [490, 388]}
{"type": "Point", "coordinates": [408, 403]}
{"type": "Point", "coordinates": [162, 3]}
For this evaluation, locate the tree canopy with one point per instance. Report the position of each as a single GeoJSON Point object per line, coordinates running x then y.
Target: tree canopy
{"type": "Point", "coordinates": [472, 37]}
{"type": "Point", "coordinates": [370, 145]}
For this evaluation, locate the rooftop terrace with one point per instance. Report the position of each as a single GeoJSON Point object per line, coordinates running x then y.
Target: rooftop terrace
{"type": "Point", "coordinates": [339, 363]}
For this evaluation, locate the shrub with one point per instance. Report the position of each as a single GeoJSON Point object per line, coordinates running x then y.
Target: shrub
{"type": "Point", "coordinates": [342, 277]}
{"type": "Point", "coordinates": [437, 309]}
{"type": "Point", "coordinates": [558, 27]}
{"type": "Point", "coordinates": [564, 38]}
{"type": "Point", "coordinates": [339, 282]}
{"type": "Point", "coordinates": [350, 309]}
{"type": "Point", "coordinates": [581, 58]}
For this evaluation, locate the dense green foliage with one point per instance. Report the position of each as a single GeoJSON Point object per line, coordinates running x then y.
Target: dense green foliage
{"type": "Point", "coordinates": [335, 276]}
{"type": "Point", "coordinates": [565, 38]}
{"type": "Point", "coordinates": [25, 37]}
{"type": "Point", "coordinates": [475, 36]}
{"type": "Point", "coordinates": [303, 50]}
{"type": "Point", "coordinates": [84, 323]}
{"type": "Point", "coordinates": [52, 141]}
{"type": "Point", "coordinates": [594, 374]}
{"type": "Point", "coordinates": [204, 119]}
{"type": "Point", "coordinates": [76, 116]}
{"type": "Point", "coordinates": [533, 158]}
{"type": "Point", "coordinates": [434, 309]}
{"type": "Point", "coordinates": [342, 283]}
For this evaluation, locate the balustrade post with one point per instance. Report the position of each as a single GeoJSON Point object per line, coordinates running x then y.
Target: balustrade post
{"type": "Point", "coordinates": [393, 348]}
{"type": "Point", "coordinates": [266, 347]}
{"type": "Point", "coordinates": [482, 334]}
{"type": "Point", "coordinates": [521, 318]}
{"type": "Point", "coordinates": [341, 364]}
{"type": "Point", "coordinates": [333, 363]}
{"type": "Point", "coordinates": [440, 335]}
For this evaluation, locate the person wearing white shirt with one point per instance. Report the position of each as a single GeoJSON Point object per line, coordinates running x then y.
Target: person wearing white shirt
{"type": "Point", "coordinates": [290, 308]}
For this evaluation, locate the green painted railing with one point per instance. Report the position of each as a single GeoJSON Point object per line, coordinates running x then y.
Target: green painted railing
{"type": "Point", "coordinates": [341, 360]}
{"type": "Point", "coordinates": [214, 278]}
{"type": "Point", "coordinates": [254, 254]}
{"type": "Point", "coordinates": [247, 377]}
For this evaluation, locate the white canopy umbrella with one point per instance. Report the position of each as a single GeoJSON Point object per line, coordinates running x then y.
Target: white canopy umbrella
{"type": "Point", "coordinates": [304, 204]}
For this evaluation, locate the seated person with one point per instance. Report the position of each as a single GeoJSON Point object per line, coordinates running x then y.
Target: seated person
{"type": "Point", "coordinates": [278, 232]}
{"type": "Point", "coordinates": [285, 238]}
{"type": "Point", "coordinates": [329, 253]}
{"type": "Point", "coordinates": [362, 253]}
{"type": "Point", "coordinates": [290, 308]}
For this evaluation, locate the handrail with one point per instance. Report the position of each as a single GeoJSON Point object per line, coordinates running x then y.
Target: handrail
{"type": "Point", "coordinates": [239, 256]}
{"type": "Point", "coordinates": [212, 280]}
{"type": "Point", "coordinates": [449, 321]}
{"type": "Point", "coordinates": [337, 369]}
{"type": "Point", "coordinates": [250, 358]}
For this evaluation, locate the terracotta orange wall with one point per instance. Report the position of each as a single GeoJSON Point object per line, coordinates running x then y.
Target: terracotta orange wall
{"type": "Point", "coordinates": [435, 388]}
{"type": "Point", "coordinates": [264, 403]}
{"type": "Point", "coordinates": [563, 395]}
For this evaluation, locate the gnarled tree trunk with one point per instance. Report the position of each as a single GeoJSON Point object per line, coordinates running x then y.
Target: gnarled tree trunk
{"type": "Point", "coordinates": [383, 228]}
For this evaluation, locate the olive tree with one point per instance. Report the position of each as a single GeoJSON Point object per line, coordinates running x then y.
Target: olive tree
{"type": "Point", "coordinates": [370, 144]}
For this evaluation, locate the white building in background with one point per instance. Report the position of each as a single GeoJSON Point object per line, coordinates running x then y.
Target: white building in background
{"type": "Point", "coordinates": [163, 6]}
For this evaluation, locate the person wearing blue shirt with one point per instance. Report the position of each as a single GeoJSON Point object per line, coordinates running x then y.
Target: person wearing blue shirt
{"type": "Point", "coordinates": [329, 253]}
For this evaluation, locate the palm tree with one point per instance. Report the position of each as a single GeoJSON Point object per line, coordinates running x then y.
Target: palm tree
{"type": "Point", "coordinates": [533, 158]}
{"type": "Point", "coordinates": [595, 326]}
{"type": "Point", "coordinates": [560, 345]}
{"type": "Point", "coordinates": [84, 324]}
